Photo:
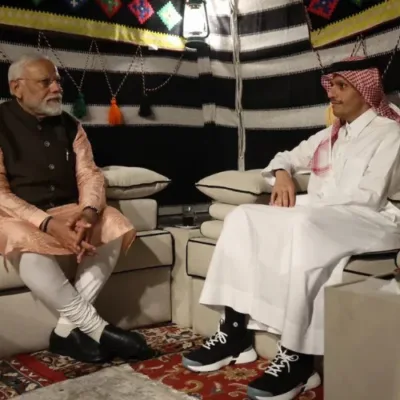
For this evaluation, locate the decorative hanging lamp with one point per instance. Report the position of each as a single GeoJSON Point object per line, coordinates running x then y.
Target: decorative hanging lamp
{"type": "Point", "coordinates": [196, 26]}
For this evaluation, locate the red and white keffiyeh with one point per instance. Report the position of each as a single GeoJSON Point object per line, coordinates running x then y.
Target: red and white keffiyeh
{"type": "Point", "coordinates": [369, 85]}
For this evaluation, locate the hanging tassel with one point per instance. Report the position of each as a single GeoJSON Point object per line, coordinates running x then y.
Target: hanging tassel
{"type": "Point", "coordinates": [329, 116]}
{"type": "Point", "coordinates": [145, 110]}
{"type": "Point", "coordinates": [79, 108]}
{"type": "Point", "coordinates": [114, 114]}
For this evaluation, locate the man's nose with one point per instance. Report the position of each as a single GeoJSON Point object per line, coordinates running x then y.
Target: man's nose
{"type": "Point", "coordinates": [55, 86]}
{"type": "Point", "coordinates": [331, 93]}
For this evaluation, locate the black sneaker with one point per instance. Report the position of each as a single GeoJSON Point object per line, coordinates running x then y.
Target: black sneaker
{"type": "Point", "coordinates": [227, 346]}
{"type": "Point", "coordinates": [288, 375]}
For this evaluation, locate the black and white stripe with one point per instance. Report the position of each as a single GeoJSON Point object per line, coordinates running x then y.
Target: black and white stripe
{"type": "Point", "coordinates": [195, 130]}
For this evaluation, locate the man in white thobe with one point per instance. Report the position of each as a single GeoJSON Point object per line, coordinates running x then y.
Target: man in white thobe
{"type": "Point", "coordinates": [271, 263]}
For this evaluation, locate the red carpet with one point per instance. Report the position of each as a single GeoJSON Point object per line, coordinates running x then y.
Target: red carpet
{"type": "Point", "coordinates": [28, 372]}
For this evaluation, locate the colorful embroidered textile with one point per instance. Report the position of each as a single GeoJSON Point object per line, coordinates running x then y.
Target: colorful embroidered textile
{"type": "Point", "coordinates": [142, 10]}
{"type": "Point", "coordinates": [169, 16]}
{"type": "Point", "coordinates": [332, 20]}
{"type": "Point", "coordinates": [323, 8]}
{"type": "Point", "coordinates": [142, 22]}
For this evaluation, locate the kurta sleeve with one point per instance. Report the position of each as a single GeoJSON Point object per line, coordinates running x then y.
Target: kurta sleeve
{"type": "Point", "coordinates": [374, 186]}
{"type": "Point", "coordinates": [296, 160]}
{"type": "Point", "coordinates": [90, 179]}
{"type": "Point", "coordinates": [13, 205]}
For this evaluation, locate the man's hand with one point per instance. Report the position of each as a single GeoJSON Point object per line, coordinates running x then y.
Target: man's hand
{"type": "Point", "coordinates": [67, 237]}
{"type": "Point", "coordinates": [284, 191]}
{"type": "Point", "coordinates": [83, 223]}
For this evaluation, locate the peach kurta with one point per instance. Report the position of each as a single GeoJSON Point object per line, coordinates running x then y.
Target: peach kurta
{"type": "Point", "coordinates": [20, 221]}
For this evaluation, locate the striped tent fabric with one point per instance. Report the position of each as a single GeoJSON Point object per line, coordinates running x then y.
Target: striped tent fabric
{"type": "Point", "coordinates": [274, 94]}
{"type": "Point", "coordinates": [283, 101]}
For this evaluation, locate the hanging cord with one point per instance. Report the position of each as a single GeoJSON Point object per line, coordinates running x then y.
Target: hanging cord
{"type": "Point", "coordinates": [395, 50]}
{"type": "Point", "coordinates": [4, 56]}
{"type": "Point", "coordinates": [239, 85]}
{"type": "Point", "coordinates": [79, 108]}
{"type": "Point", "coordinates": [115, 116]}
{"type": "Point", "coordinates": [360, 42]}
{"type": "Point", "coordinates": [313, 49]}
{"type": "Point", "coordinates": [145, 109]}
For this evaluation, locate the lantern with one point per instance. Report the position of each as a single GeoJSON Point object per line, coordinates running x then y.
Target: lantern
{"type": "Point", "coordinates": [195, 24]}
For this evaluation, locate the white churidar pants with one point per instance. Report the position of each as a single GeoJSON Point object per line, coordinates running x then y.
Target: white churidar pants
{"type": "Point", "coordinates": [44, 277]}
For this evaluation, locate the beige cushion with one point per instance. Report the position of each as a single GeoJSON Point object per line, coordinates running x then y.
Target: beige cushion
{"type": "Point", "coordinates": [235, 187]}
{"type": "Point", "coordinates": [219, 210]}
{"type": "Point", "coordinates": [141, 212]}
{"type": "Point", "coordinates": [133, 182]}
{"type": "Point", "coordinates": [211, 229]}
{"type": "Point", "coordinates": [151, 249]}
{"type": "Point", "coordinates": [200, 251]}
{"type": "Point", "coordinates": [198, 256]}
{"type": "Point", "coordinates": [243, 187]}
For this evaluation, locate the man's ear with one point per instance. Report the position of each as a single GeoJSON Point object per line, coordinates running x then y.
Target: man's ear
{"type": "Point", "coordinates": [15, 89]}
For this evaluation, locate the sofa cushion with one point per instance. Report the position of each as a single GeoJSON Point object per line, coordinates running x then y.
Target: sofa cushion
{"type": "Point", "coordinates": [242, 187]}
{"type": "Point", "coordinates": [211, 229]}
{"type": "Point", "coordinates": [220, 210]}
{"type": "Point", "coordinates": [198, 256]}
{"type": "Point", "coordinates": [132, 182]}
{"type": "Point", "coordinates": [235, 187]}
{"type": "Point", "coordinates": [141, 212]}
{"type": "Point", "coordinates": [151, 249]}
{"type": "Point", "coordinates": [200, 251]}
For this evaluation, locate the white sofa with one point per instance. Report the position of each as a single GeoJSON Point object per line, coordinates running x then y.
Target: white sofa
{"type": "Point", "coordinates": [227, 190]}
{"type": "Point", "coordinates": [137, 294]}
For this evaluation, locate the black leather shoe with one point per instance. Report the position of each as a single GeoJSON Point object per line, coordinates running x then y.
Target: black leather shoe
{"type": "Point", "coordinates": [125, 344]}
{"type": "Point", "coordinates": [78, 346]}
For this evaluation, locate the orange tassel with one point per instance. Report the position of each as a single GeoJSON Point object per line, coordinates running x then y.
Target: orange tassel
{"type": "Point", "coordinates": [114, 114]}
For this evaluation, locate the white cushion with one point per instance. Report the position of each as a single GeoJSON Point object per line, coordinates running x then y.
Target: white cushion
{"type": "Point", "coordinates": [219, 211]}
{"type": "Point", "coordinates": [125, 183]}
{"type": "Point", "coordinates": [235, 187]}
{"type": "Point", "coordinates": [211, 229]}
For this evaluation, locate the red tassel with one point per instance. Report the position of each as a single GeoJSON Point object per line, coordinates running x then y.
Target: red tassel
{"type": "Point", "coordinates": [114, 114]}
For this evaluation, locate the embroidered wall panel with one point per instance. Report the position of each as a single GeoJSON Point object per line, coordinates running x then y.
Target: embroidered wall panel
{"type": "Point", "coordinates": [141, 22]}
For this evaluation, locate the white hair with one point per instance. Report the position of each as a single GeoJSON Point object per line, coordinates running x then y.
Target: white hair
{"type": "Point", "coordinates": [17, 68]}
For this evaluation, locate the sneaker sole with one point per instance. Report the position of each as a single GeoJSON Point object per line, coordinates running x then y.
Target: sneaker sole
{"type": "Point", "coordinates": [313, 382]}
{"type": "Point", "coordinates": [245, 357]}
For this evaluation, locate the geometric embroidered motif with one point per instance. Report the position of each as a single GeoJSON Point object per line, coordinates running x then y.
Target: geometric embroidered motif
{"type": "Point", "coordinates": [169, 16]}
{"type": "Point", "coordinates": [75, 4]}
{"type": "Point", "coordinates": [142, 9]}
{"type": "Point", "coordinates": [323, 8]}
{"type": "Point", "coordinates": [110, 7]}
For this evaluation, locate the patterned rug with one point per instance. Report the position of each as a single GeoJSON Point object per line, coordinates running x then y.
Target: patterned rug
{"type": "Point", "coordinates": [27, 372]}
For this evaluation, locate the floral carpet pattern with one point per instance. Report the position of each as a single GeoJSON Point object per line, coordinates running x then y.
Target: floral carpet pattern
{"type": "Point", "coordinates": [27, 372]}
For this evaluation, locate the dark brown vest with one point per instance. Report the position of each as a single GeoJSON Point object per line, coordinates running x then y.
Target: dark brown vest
{"type": "Point", "coordinates": [38, 156]}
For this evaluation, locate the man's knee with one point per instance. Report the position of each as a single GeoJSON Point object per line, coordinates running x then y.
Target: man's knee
{"type": "Point", "coordinates": [236, 214]}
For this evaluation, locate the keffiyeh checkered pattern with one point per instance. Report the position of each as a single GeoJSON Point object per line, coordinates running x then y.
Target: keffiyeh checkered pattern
{"type": "Point", "coordinates": [369, 85]}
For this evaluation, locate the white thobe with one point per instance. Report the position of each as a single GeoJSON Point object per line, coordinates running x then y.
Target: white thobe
{"type": "Point", "coordinates": [273, 263]}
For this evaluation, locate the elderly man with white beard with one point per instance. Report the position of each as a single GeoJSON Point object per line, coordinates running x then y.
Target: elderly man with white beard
{"type": "Point", "coordinates": [53, 205]}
